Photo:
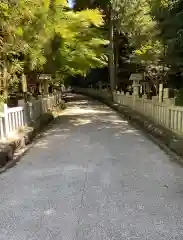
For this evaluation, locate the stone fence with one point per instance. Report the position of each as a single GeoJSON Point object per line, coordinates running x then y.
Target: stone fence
{"type": "Point", "coordinates": [13, 119]}
{"type": "Point", "coordinates": [164, 113]}
{"type": "Point", "coordinates": [161, 112]}
{"type": "Point", "coordinates": [161, 108]}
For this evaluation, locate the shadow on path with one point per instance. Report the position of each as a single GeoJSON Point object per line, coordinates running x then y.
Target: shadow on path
{"type": "Point", "coordinates": [92, 177]}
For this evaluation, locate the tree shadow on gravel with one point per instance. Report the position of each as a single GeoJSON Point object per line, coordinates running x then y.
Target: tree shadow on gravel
{"type": "Point", "coordinates": [88, 116]}
{"type": "Point", "coordinates": [81, 117]}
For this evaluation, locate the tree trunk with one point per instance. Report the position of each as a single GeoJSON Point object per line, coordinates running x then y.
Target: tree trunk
{"type": "Point", "coordinates": [111, 55]}
{"type": "Point", "coordinates": [5, 80]}
{"type": "Point", "coordinates": [116, 60]}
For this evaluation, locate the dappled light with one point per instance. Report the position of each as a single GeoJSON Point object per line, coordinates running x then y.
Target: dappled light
{"type": "Point", "coordinates": [42, 144]}
{"type": "Point", "coordinates": [91, 161]}
{"type": "Point", "coordinates": [83, 111]}
{"type": "Point", "coordinates": [50, 211]}
{"type": "Point", "coordinates": [87, 171]}
{"type": "Point", "coordinates": [80, 121]}
{"type": "Point", "coordinates": [84, 115]}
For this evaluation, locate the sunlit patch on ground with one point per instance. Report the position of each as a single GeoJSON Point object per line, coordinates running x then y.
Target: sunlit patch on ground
{"type": "Point", "coordinates": [80, 111]}
{"type": "Point", "coordinates": [80, 121]}
{"type": "Point", "coordinates": [50, 212]}
{"type": "Point", "coordinates": [92, 176]}
{"type": "Point", "coordinates": [42, 144]}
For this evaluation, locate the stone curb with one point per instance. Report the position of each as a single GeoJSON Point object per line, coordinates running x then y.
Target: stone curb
{"type": "Point", "coordinates": [162, 136]}
{"type": "Point", "coordinates": [24, 141]}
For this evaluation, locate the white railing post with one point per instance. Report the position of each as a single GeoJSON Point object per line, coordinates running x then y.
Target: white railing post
{"type": "Point", "coordinates": [6, 120]}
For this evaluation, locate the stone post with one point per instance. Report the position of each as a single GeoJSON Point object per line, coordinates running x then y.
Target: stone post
{"type": "Point", "coordinates": [166, 94]}
{"type": "Point", "coordinates": [40, 87]}
{"type": "Point", "coordinates": [141, 89]}
{"type": "Point", "coordinates": [136, 91]}
{"type": "Point", "coordinates": [160, 92]}
{"type": "Point", "coordinates": [136, 87]}
{"type": "Point", "coordinates": [45, 84]}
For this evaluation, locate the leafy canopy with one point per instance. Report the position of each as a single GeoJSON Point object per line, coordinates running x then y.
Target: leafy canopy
{"type": "Point", "coordinates": [45, 35]}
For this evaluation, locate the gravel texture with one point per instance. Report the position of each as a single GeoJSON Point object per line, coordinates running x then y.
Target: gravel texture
{"type": "Point", "coordinates": [168, 140]}
{"type": "Point", "coordinates": [92, 177]}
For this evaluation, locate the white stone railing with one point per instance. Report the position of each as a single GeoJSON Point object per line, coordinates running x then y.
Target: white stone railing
{"type": "Point", "coordinates": [165, 114]}
{"type": "Point", "coordinates": [13, 119]}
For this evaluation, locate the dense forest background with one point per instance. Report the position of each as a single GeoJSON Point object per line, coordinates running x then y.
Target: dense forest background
{"type": "Point", "coordinates": [47, 37]}
{"type": "Point", "coordinates": [145, 36]}
{"type": "Point", "coordinates": [95, 41]}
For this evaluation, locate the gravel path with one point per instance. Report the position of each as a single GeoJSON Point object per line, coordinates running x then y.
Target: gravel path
{"type": "Point", "coordinates": [92, 177]}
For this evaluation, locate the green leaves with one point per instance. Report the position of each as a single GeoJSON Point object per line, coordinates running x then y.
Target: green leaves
{"type": "Point", "coordinates": [168, 15]}
{"type": "Point", "coordinates": [19, 31]}
{"type": "Point", "coordinates": [44, 35]}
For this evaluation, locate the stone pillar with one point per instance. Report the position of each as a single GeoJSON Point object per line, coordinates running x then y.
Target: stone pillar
{"type": "Point", "coordinates": [24, 83]}
{"type": "Point", "coordinates": [40, 87]}
{"type": "Point", "coordinates": [136, 88]}
{"type": "Point", "coordinates": [166, 94]}
{"type": "Point", "coordinates": [160, 92]}
{"type": "Point", "coordinates": [45, 85]}
{"type": "Point", "coordinates": [141, 89]}
{"type": "Point", "coordinates": [136, 92]}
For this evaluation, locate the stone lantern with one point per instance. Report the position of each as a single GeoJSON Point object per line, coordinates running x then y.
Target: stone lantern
{"type": "Point", "coordinates": [44, 83]}
{"type": "Point", "coordinates": [136, 78]}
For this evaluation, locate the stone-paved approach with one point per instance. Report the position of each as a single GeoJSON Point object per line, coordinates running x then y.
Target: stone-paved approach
{"type": "Point", "coordinates": [92, 177]}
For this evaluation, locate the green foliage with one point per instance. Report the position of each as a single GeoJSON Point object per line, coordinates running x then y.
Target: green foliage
{"type": "Point", "coordinates": [46, 36]}
{"type": "Point", "coordinates": [153, 30]}
{"type": "Point", "coordinates": [81, 41]}
{"type": "Point", "coordinates": [133, 19]}
{"type": "Point", "coordinates": [168, 15]}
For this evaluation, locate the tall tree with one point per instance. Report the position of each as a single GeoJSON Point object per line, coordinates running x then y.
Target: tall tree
{"type": "Point", "coordinates": [107, 7]}
{"type": "Point", "coordinates": [49, 38]}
